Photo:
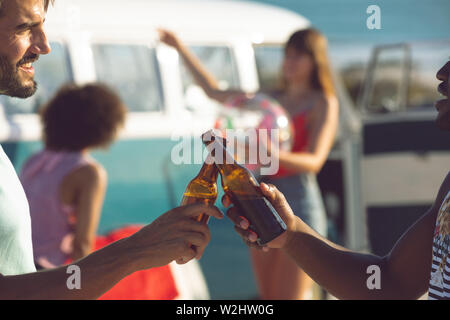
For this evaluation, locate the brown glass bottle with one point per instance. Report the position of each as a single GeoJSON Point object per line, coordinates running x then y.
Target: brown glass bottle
{"type": "Point", "coordinates": [244, 192]}
{"type": "Point", "coordinates": [203, 188]}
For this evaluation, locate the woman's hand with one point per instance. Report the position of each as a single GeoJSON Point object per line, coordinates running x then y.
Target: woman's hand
{"type": "Point", "coordinates": [169, 38]}
{"type": "Point", "coordinates": [205, 79]}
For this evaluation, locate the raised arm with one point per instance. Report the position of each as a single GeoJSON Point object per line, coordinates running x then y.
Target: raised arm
{"type": "Point", "coordinates": [202, 76]}
{"type": "Point", "coordinates": [167, 239]}
{"type": "Point", "coordinates": [404, 271]}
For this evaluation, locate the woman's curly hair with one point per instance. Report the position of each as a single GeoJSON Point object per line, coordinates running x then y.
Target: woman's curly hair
{"type": "Point", "coordinates": [81, 117]}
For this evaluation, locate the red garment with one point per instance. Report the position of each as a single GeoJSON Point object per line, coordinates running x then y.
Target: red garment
{"type": "Point", "coordinates": [152, 284]}
{"type": "Point", "coordinates": [300, 141]}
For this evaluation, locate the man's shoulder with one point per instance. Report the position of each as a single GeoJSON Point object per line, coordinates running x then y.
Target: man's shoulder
{"type": "Point", "coordinates": [447, 179]}
{"type": "Point", "coordinates": [443, 190]}
{"type": "Point", "coordinates": [446, 184]}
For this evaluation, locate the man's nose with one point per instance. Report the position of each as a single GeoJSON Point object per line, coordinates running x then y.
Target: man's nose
{"type": "Point", "coordinates": [40, 44]}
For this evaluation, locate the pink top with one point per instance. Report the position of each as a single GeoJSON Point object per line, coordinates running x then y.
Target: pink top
{"type": "Point", "coordinates": [52, 222]}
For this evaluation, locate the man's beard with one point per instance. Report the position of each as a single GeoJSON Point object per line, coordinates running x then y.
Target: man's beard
{"type": "Point", "coordinates": [10, 84]}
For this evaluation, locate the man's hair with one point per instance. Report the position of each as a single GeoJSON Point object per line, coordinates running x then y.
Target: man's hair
{"type": "Point", "coordinates": [80, 117]}
{"type": "Point", "coordinates": [46, 4]}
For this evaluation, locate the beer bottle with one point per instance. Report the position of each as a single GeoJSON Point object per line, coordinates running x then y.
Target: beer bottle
{"type": "Point", "coordinates": [244, 192]}
{"type": "Point", "coordinates": [203, 188]}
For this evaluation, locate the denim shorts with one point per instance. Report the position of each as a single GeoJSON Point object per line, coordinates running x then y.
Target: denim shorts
{"type": "Point", "coordinates": [303, 195]}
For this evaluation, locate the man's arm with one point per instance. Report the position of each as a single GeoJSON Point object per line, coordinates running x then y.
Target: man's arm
{"type": "Point", "coordinates": [99, 272]}
{"type": "Point", "coordinates": [167, 239]}
{"type": "Point", "coordinates": [343, 273]}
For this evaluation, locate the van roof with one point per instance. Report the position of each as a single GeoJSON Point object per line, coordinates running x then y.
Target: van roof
{"type": "Point", "coordinates": [193, 20]}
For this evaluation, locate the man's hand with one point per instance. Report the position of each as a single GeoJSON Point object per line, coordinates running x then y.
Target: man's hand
{"type": "Point", "coordinates": [280, 204]}
{"type": "Point", "coordinates": [173, 236]}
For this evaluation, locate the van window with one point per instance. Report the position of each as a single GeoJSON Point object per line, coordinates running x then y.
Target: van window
{"type": "Point", "coordinates": [388, 87]}
{"type": "Point", "coordinates": [132, 71]}
{"type": "Point", "coordinates": [51, 71]}
{"type": "Point", "coordinates": [220, 61]}
{"type": "Point", "coordinates": [268, 64]}
{"type": "Point", "coordinates": [403, 77]}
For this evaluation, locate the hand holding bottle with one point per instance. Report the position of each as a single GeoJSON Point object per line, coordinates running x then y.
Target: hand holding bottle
{"type": "Point", "coordinates": [171, 236]}
{"type": "Point", "coordinates": [244, 192]}
{"type": "Point", "coordinates": [280, 204]}
{"type": "Point", "coordinates": [201, 190]}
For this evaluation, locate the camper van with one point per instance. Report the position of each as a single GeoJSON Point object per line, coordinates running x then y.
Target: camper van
{"type": "Point", "coordinates": [116, 42]}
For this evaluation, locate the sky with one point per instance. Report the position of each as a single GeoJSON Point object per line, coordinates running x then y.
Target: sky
{"type": "Point", "coordinates": [400, 19]}
{"type": "Point", "coordinates": [344, 22]}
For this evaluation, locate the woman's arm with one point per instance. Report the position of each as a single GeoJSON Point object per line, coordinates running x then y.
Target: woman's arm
{"type": "Point", "coordinates": [322, 131]}
{"type": "Point", "coordinates": [202, 76]}
{"type": "Point", "coordinates": [90, 197]}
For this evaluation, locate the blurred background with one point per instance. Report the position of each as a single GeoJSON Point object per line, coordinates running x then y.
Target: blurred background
{"type": "Point", "coordinates": [351, 42]}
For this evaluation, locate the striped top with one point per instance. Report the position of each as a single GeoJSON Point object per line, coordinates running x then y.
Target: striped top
{"type": "Point", "coordinates": [439, 287]}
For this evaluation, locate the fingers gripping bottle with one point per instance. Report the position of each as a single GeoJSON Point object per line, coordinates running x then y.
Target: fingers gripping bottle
{"type": "Point", "coordinates": [244, 192]}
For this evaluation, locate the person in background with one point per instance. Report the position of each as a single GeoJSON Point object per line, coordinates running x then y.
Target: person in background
{"type": "Point", "coordinates": [65, 187]}
{"type": "Point", "coordinates": [308, 94]}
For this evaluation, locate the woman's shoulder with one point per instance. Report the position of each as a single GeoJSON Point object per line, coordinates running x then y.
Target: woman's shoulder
{"type": "Point", "coordinates": [323, 102]}
{"type": "Point", "coordinates": [323, 98]}
{"type": "Point", "coordinates": [35, 156]}
{"type": "Point", "coordinates": [30, 161]}
{"type": "Point", "coordinates": [314, 102]}
{"type": "Point", "coordinates": [91, 171]}
{"type": "Point", "coordinates": [322, 107]}
{"type": "Point", "coordinates": [87, 173]}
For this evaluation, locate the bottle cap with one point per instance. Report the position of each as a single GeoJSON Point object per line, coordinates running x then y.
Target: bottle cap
{"type": "Point", "coordinates": [211, 135]}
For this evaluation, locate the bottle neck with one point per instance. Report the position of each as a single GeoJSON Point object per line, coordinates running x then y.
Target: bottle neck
{"type": "Point", "coordinates": [222, 158]}
{"type": "Point", "coordinates": [209, 171]}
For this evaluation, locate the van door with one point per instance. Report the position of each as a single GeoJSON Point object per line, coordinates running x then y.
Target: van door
{"type": "Point", "coordinates": [405, 156]}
